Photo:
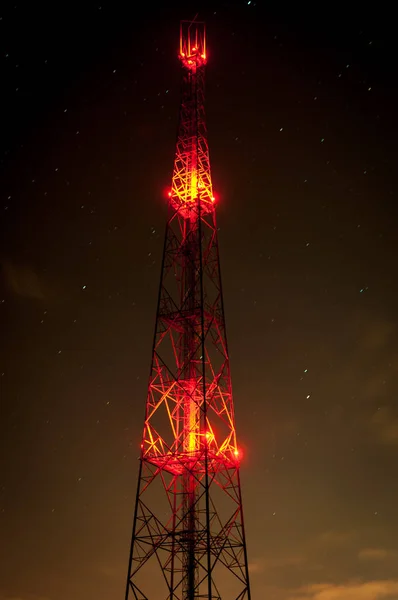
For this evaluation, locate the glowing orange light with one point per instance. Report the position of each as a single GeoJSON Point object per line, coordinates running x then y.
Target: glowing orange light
{"type": "Point", "coordinates": [193, 423]}
{"type": "Point", "coordinates": [209, 436]}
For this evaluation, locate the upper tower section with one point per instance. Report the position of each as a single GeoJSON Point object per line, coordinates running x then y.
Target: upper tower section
{"type": "Point", "coordinates": [192, 44]}
{"type": "Point", "coordinates": [191, 190]}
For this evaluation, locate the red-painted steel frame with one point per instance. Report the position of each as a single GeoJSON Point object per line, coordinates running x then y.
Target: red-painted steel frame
{"type": "Point", "coordinates": [188, 534]}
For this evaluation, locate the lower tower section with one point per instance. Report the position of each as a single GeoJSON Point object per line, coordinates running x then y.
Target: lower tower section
{"type": "Point", "coordinates": [188, 538]}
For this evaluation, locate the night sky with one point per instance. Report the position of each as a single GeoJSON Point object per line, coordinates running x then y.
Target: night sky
{"type": "Point", "coordinates": [303, 140]}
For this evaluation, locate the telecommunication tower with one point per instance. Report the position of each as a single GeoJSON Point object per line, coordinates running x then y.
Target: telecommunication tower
{"type": "Point", "coordinates": [188, 539]}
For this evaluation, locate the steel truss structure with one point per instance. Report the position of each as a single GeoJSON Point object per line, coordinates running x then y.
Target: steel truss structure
{"type": "Point", "coordinates": [188, 537]}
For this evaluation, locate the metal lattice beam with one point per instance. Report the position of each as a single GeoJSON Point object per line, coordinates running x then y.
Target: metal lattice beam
{"type": "Point", "coordinates": [188, 535]}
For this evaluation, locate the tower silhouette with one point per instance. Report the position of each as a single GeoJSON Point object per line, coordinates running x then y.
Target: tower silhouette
{"type": "Point", "coordinates": [188, 538]}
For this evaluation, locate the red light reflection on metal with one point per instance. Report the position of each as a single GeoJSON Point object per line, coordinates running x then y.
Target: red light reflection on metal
{"type": "Point", "coordinates": [189, 452]}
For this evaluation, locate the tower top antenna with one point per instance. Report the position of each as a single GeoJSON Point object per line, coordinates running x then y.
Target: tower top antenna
{"type": "Point", "coordinates": [192, 43]}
